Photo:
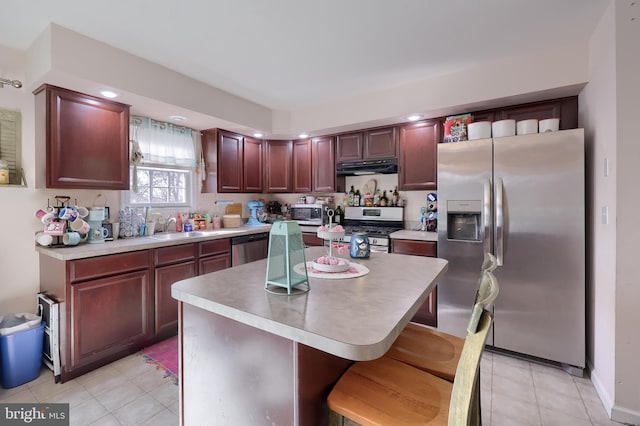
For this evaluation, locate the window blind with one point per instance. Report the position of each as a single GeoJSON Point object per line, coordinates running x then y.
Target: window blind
{"type": "Point", "coordinates": [10, 143]}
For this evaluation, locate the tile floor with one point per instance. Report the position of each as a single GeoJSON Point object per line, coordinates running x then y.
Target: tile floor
{"type": "Point", "coordinates": [131, 392]}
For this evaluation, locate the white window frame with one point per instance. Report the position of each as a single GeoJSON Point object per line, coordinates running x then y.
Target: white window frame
{"type": "Point", "coordinates": [127, 199]}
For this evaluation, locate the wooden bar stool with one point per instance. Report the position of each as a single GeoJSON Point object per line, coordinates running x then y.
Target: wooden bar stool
{"type": "Point", "coordinates": [389, 392]}
{"type": "Point", "coordinates": [431, 350]}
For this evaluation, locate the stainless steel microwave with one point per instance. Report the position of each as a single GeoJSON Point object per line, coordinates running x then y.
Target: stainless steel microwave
{"type": "Point", "coordinates": [309, 214]}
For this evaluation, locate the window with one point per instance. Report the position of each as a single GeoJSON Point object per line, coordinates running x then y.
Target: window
{"type": "Point", "coordinates": [161, 187]}
{"type": "Point", "coordinates": [164, 162]}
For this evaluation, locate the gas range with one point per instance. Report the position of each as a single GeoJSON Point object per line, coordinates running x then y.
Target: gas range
{"type": "Point", "coordinates": [376, 222]}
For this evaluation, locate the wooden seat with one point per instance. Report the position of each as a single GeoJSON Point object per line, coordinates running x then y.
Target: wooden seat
{"type": "Point", "coordinates": [431, 350]}
{"type": "Point", "coordinates": [386, 391]}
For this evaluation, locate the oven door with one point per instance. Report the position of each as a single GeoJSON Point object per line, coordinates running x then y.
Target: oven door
{"type": "Point", "coordinates": [376, 244]}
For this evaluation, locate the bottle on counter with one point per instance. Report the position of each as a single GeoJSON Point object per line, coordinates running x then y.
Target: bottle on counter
{"type": "Point", "coordinates": [352, 194]}
{"type": "Point", "coordinates": [376, 198]}
{"type": "Point", "coordinates": [179, 222]}
{"type": "Point", "coordinates": [395, 198]}
{"type": "Point", "coordinates": [384, 201]}
{"type": "Point", "coordinates": [338, 215]}
{"type": "Point", "coordinates": [356, 198]}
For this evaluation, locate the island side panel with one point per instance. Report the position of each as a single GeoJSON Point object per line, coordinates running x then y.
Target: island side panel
{"type": "Point", "coordinates": [233, 373]}
{"type": "Point", "coordinates": [317, 373]}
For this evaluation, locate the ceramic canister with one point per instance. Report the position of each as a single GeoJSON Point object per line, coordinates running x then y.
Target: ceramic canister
{"type": "Point", "coordinates": [359, 247]}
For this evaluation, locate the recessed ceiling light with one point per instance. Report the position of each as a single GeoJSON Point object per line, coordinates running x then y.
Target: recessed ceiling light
{"type": "Point", "coordinates": [257, 135]}
{"type": "Point", "coordinates": [303, 135]}
{"type": "Point", "coordinates": [177, 118]}
{"type": "Point", "coordinates": [109, 94]}
{"type": "Point", "coordinates": [414, 117]}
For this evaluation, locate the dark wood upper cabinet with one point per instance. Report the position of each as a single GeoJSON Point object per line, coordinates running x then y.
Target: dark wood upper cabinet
{"type": "Point", "coordinates": [252, 165]}
{"type": "Point", "coordinates": [566, 109]}
{"type": "Point", "coordinates": [372, 144]}
{"type": "Point", "coordinates": [237, 160]}
{"type": "Point", "coordinates": [278, 164]}
{"type": "Point", "coordinates": [324, 164]}
{"type": "Point", "coordinates": [380, 143]}
{"type": "Point", "coordinates": [302, 166]}
{"type": "Point", "coordinates": [417, 163]}
{"type": "Point", "coordinates": [230, 162]}
{"type": "Point", "coordinates": [349, 147]}
{"type": "Point", "coordinates": [86, 138]}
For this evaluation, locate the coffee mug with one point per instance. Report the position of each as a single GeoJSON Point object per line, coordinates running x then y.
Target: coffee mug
{"type": "Point", "coordinates": [40, 213]}
{"type": "Point", "coordinates": [80, 226]}
{"type": "Point", "coordinates": [44, 239]}
{"type": "Point", "coordinates": [71, 239]}
{"type": "Point", "coordinates": [47, 218]}
{"type": "Point", "coordinates": [97, 235]}
{"type": "Point", "coordinates": [82, 211]}
{"type": "Point", "coordinates": [68, 213]}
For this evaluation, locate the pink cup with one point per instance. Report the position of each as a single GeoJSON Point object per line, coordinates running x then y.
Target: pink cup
{"type": "Point", "coordinates": [215, 222]}
{"type": "Point", "coordinates": [40, 213]}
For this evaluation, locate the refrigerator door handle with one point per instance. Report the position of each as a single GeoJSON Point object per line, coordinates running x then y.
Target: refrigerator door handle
{"type": "Point", "coordinates": [499, 231]}
{"type": "Point", "coordinates": [488, 236]}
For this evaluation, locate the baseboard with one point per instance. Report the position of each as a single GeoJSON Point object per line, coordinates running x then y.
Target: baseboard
{"type": "Point", "coordinates": [615, 412]}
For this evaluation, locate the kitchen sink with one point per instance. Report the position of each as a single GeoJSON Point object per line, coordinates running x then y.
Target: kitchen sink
{"type": "Point", "coordinates": [170, 236]}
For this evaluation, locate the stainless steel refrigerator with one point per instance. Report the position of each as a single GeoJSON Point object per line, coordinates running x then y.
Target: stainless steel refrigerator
{"type": "Point", "coordinates": [521, 198]}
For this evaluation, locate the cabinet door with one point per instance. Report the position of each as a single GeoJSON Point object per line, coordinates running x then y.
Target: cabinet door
{"type": "Point", "coordinates": [324, 165]}
{"type": "Point", "coordinates": [380, 143]}
{"type": "Point", "coordinates": [566, 109]}
{"type": "Point", "coordinates": [428, 312]}
{"type": "Point", "coordinates": [166, 307]}
{"type": "Point", "coordinates": [418, 156]}
{"type": "Point", "coordinates": [230, 165]}
{"type": "Point", "coordinates": [278, 166]}
{"type": "Point", "coordinates": [302, 166]}
{"type": "Point", "coordinates": [87, 140]}
{"type": "Point", "coordinates": [210, 154]}
{"type": "Point", "coordinates": [349, 147]}
{"type": "Point", "coordinates": [214, 263]}
{"type": "Point", "coordinates": [252, 165]}
{"type": "Point", "coordinates": [109, 315]}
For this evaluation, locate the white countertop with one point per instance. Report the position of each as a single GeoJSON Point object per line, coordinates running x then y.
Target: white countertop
{"type": "Point", "coordinates": [407, 234]}
{"type": "Point", "coordinates": [123, 245]}
{"type": "Point", "coordinates": [355, 318]}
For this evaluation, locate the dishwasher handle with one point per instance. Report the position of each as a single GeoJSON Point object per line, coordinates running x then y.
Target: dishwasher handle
{"type": "Point", "coordinates": [243, 239]}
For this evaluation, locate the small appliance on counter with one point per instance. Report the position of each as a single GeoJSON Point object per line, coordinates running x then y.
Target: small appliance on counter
{"type": "Point", "coordinates": [257, 214]}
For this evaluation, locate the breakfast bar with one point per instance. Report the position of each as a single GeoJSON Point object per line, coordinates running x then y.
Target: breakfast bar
{"type": "Point", "coordinates": [248, 356]}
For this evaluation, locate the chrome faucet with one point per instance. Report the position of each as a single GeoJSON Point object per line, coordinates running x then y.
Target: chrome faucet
{"type": "Point", "coordinates": [169, 221]}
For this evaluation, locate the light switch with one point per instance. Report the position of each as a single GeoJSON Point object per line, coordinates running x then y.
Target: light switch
{"type": "Point", "coordinates": [606, 166]}
{"type": "Point", "coordinates": [605, 215]}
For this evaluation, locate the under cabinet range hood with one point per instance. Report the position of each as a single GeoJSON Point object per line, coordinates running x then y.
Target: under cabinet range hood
{"type": "Point", "coordinates": [369, 167]}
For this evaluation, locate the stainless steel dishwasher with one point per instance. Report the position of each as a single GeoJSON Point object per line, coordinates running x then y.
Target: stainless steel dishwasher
{"type": "Point", "coordinates": [248, 248]}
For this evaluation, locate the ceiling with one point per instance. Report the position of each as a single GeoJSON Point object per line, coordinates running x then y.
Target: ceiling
{"type": "Point", "coordinates": [289, 54]}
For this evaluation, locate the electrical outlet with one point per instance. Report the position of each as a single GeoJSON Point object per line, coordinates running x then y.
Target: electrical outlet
{"type": "Point", "coordinates": [605, 215]}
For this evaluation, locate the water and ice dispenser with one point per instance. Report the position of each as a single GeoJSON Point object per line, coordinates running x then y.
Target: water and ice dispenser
{"type": "Point", "coordinates": [464, 220]}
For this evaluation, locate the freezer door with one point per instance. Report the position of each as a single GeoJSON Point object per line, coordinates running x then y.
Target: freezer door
{"type": "Point", "coordinates": [464, 227]}
{"type": "Point", "coordinates": [539, 181]}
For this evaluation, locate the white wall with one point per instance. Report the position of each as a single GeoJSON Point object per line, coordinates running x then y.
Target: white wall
{"type": "Point", "coordinates": [608, 106]}
{"type": "Point", "coordinates": [19, 275]}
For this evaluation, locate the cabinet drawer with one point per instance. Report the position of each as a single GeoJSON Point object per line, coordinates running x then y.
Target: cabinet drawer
{"type": "Point", "coordinates": [173, 254]}
{"type": "Point", "coordinates": [95, 267]}
{"type": "Point", "coordinates": [311, 240]}
{"type": "Point", "coordinates": [208, 248]}
{"type": "Point", "coordinates": [415, 248]}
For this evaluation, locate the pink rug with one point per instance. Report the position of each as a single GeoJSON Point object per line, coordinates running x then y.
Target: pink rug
{"type": "Point", "coordinates": [164, 355]}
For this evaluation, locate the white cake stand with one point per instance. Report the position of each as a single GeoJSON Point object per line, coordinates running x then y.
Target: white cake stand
{"type": "Point", "coordinates": [331, 236]}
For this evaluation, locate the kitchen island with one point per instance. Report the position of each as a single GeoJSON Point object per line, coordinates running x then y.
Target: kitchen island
{"type": "Point", "coordinates": [251, 357]}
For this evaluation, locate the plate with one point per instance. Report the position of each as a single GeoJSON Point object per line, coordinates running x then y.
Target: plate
{"type": "Point", "coordinates": [345, 265]}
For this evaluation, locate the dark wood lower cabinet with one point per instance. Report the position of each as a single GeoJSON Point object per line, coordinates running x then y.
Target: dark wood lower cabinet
{"type": "Point", "coordinates": [114, 305]}
{"type": "Point", "coordinates": [109, 316]}
{"type": "Point", "coordinates": [428, 312]}
{"type": "Point", "coordinates": [311, 239]}
{"type": "Point", "coordinates": [166, 307]}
